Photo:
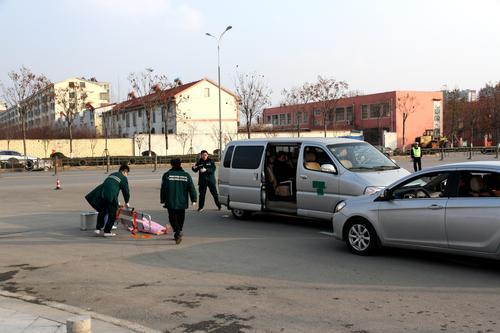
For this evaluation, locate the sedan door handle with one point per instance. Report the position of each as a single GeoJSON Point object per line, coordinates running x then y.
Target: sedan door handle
{"type": "Point", "coordinates": [303, 177]}
{"type": "Point", "coordinates": [434, 206]}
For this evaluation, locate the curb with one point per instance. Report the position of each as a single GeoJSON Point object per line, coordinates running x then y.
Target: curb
{"type": "Point", "coordinates": [78, 311]}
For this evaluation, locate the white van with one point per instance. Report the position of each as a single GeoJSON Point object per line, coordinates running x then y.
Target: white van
{"type": "Point", "coordinates": [300, 176]}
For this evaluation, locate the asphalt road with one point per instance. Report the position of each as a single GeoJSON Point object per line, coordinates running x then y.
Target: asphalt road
{"type": "Point", "coordinates": [269, 273]}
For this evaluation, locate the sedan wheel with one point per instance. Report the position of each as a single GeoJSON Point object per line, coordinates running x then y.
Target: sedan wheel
{"type": "Point", "coordinates": [361, 238]}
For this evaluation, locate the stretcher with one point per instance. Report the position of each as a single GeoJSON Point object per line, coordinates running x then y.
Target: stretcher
{"type": "Point", "coordinates": [136, 221]}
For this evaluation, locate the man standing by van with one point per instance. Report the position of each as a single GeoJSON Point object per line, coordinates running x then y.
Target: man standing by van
{"type": "Point", "coordinates": [416, 156]}
{"type": "Point", "coordinates": [176, 184]}
{"type": "Point", "coordinates": [104, 199]}
{"type": "Point", "coordinates": [206, 169]}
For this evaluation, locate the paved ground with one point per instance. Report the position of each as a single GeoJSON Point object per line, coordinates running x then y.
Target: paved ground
{"type": "Point", "coordinates": [272, 274]}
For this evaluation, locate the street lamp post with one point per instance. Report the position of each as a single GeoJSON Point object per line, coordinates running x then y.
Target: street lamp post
{"type": "Point", "coordinates": [218, 79]}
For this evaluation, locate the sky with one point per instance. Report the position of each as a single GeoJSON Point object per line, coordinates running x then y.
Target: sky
{"type": "Point", "coordinates": [373, 45]}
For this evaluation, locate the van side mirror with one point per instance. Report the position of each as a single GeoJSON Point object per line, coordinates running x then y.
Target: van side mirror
{"type": "Point", "coordinates": [328, 168]}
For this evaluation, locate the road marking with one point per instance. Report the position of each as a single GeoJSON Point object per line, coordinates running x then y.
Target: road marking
{"type": "Point", "coordinates": [326, 233]}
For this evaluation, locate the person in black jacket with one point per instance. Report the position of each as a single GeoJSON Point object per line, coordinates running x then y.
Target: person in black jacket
{"type": "Point", "coordinates": [206, 169]}
{"type": "Point", "coordinates": [176, 185]}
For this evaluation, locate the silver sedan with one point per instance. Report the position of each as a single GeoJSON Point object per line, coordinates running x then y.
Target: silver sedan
{"type": "Point", "coordinates": [450, 208]}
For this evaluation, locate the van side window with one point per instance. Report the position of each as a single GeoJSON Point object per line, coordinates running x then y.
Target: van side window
{"type": "Point", "coordinates": [228, 156]}
{"type": "Point", "coordinates": [315, 157]}
{"type": "Point", "coordinates": [247, 157]}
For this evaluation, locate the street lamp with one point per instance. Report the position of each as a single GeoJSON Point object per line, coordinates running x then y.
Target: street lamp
{"type": "Point", "coordinates": [218, 78]}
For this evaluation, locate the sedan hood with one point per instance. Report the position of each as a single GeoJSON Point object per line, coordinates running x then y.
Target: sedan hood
{"type": "Point", "coordinates": [382, 178]}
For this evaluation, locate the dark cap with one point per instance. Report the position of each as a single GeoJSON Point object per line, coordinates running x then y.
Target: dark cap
{"type": "Point", "coordinates": [203, 151]}
{"type": "Point", "coordinates": [175, 162]}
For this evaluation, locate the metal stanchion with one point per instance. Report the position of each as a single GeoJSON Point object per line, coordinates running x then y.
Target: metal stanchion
{"type": "Point", "coordinates": [470, 153]}
{"type": "Point", "coordinates": [442, 154]}
{"type": "Point", "coordinates": [498, 148]}
{"type": "Point", "coordinates": [155, 163]}
{"type": "Point", "coordinates": [55, 166]}
{"type": "Point", "coordinates": [107, 163]}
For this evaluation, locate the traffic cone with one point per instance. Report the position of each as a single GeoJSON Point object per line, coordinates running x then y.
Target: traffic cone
{"type": "Point", "coordinates": [58, 185]}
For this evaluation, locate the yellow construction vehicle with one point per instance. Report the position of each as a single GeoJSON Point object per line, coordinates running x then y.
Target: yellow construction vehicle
{"type": "Point", "coordinates": [430, 140]}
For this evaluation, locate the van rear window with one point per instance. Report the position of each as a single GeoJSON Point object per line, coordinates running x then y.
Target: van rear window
{"type": "Point", "coordinates": [247, 157]}
{"type": "Point", "coordinates": [228, 156]}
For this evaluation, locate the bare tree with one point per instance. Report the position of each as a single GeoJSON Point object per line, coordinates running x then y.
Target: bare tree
{"type": "Point", "coordinates": [24, 84]}
{"type": "Point", "coordinates": [254, 94]}
{"type": "Point", "coordinates": [406, 105]}
{"type": "Point", "coordinates": [93, 144]}
{"type": "Point", "coordinates": [72, 100]}
{"type": "Point", "coordinates": [326, 93]}
{"type": "Point", "coordinates": [46, 144]}
{"type": "Point", "coordinates": [149, 86]}
{"type": "Point", "coordinates": [182, 138]}
{"type": "Point", "coordinates": [299, 96]}
{"type": "Point", "coordinates": [139, 140]}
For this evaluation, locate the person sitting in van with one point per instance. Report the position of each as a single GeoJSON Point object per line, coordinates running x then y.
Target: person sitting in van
{"type": "Point", "coordinates": [282, 168]}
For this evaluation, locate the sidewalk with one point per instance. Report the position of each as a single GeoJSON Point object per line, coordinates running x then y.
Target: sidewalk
{"type": "Point", "coordinates": [20, 313]}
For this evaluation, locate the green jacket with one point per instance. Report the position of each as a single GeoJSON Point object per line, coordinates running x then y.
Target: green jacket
{"type": "Point", "coordinates": [207, 176]}
{"type": "Point", "coordinates": [176, 184]}
{"type": "Point", "coordinates": [107, 193]}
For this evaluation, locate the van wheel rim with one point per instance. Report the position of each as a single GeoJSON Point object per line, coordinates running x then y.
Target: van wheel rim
{"type": "Point", "coordinates": [359, 237]}
{"type": "Point", "coordinates": [238, 212]}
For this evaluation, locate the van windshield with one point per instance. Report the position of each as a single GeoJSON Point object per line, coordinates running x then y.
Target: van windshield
{"type": "Point", "coordinates": [361, 156]}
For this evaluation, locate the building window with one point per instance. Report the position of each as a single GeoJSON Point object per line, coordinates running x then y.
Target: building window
{"type": "Point", "coordinates": [72, 94]}
{"type": "Point", "coordinates": [275, 119]}
{"type": "Point", "coordinates": [288, 118]}
{"type": "Point", "coordinates": [364, 111]}
{"type": "Point", "coordinates": [269, 119]}
{"type": "Point", "coordinates": [299, 117]}
{"type": "Point", "coordinates": [139, 113]}
{"type": "Point", "coordinates": [317, 112]}
{"type": "Point", "coordinates": [386, 110]}
{"type": "Point", "coordinates": [127, 123]}
{"type": "Point", "coordinates": [305, 117]}
{"type": "Point", "coordinates": [134, 119]}
{"type": "Point", "coordinates": [123, 116]}
{"type": "Point", "coordinates": [375, 111]}
{"type": "Point", "coordinates": [282, 119]}
{"type": "Point", "coordinates": [207, 92]}
{"type": "Point", "coordinates": [317, 122]}
{"type": "Point", "coordinates": [82, 85]}
{"type": "Point", "coordinates": [340, 114]}
{"type": "Point", "coordinates": [154, 116]}
{"type": "Point", "coordinates": [71, 84]}
{"type": "Point", "coordinates": [104, 96]}
{"type": "Point", "coordinates": [349, 113]}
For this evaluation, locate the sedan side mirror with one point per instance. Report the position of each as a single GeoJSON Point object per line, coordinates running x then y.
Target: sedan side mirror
{"type": "Point", "coordinates": [328, 168]}
{"type": "Point", "coordinates": [386, 195]}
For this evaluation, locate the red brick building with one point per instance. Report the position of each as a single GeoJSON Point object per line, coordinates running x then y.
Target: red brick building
{"type": "Point", "coordinates": [373, 114]}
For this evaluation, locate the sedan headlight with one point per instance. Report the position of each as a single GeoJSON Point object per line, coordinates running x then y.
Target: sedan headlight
{"type": "Point", "coordinates": [339, 206]}
{"type": "Point", "coordinates": [372, 189]}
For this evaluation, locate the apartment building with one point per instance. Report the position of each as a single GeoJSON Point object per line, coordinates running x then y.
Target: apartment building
{"type": "Point", "coordinates": [45, 111]}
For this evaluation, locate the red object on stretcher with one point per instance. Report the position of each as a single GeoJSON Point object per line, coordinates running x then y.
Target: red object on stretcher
{"type": "Point", "coordinates": [136, 221]}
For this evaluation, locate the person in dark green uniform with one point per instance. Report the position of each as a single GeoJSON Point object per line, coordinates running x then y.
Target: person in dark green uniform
{"type": "Point", "coordinates": [206, 169]}
{"type": "Point", "coordinates": [176, 185]}
{"type": "Point", "coordinates": [104, 199]}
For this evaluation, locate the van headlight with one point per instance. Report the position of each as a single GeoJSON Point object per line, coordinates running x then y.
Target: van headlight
{"type": "Point", "coordinates": [339, 206]}
{"type": "Point", "coordinates": [372, 189]}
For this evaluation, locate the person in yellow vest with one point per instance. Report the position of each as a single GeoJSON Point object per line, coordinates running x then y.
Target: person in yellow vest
{"type": "Point", "coordinates": [416, 156]}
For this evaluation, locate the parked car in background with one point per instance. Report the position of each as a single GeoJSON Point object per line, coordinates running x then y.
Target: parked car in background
{"type": "Point", "coordinates": [449, 208]}
{"type": "Point", "coordinates": [12, 159]}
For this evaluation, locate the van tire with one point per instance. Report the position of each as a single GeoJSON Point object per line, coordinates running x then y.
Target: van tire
{"type": "Point", "coordinates": [240, 214]}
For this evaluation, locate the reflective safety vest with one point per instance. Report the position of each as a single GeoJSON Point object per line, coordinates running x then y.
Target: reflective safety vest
{"type": "Point", "coordinates": [417, 152]}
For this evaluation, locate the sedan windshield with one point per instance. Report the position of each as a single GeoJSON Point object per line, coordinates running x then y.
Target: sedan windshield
{"type": "Point", "coordinates": [361, 156]}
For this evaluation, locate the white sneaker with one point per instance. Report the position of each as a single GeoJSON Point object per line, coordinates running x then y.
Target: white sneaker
{"type": "Point", "coordinates": [97, 232]}
{"type": "Point", "coordinates": [114, 227]}
{"type": "Point", "coordinates": [109, 234]}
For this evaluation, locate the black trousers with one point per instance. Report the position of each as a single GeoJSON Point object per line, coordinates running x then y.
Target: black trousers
{"type": "Point", "coordinates": [176, 219]}
{"type": "Point", "coordinates": [203, 191]}
{"type": "Point", "coordinates": [417, 162]}
{"type": "Point", "coordinates": [110, 210]}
